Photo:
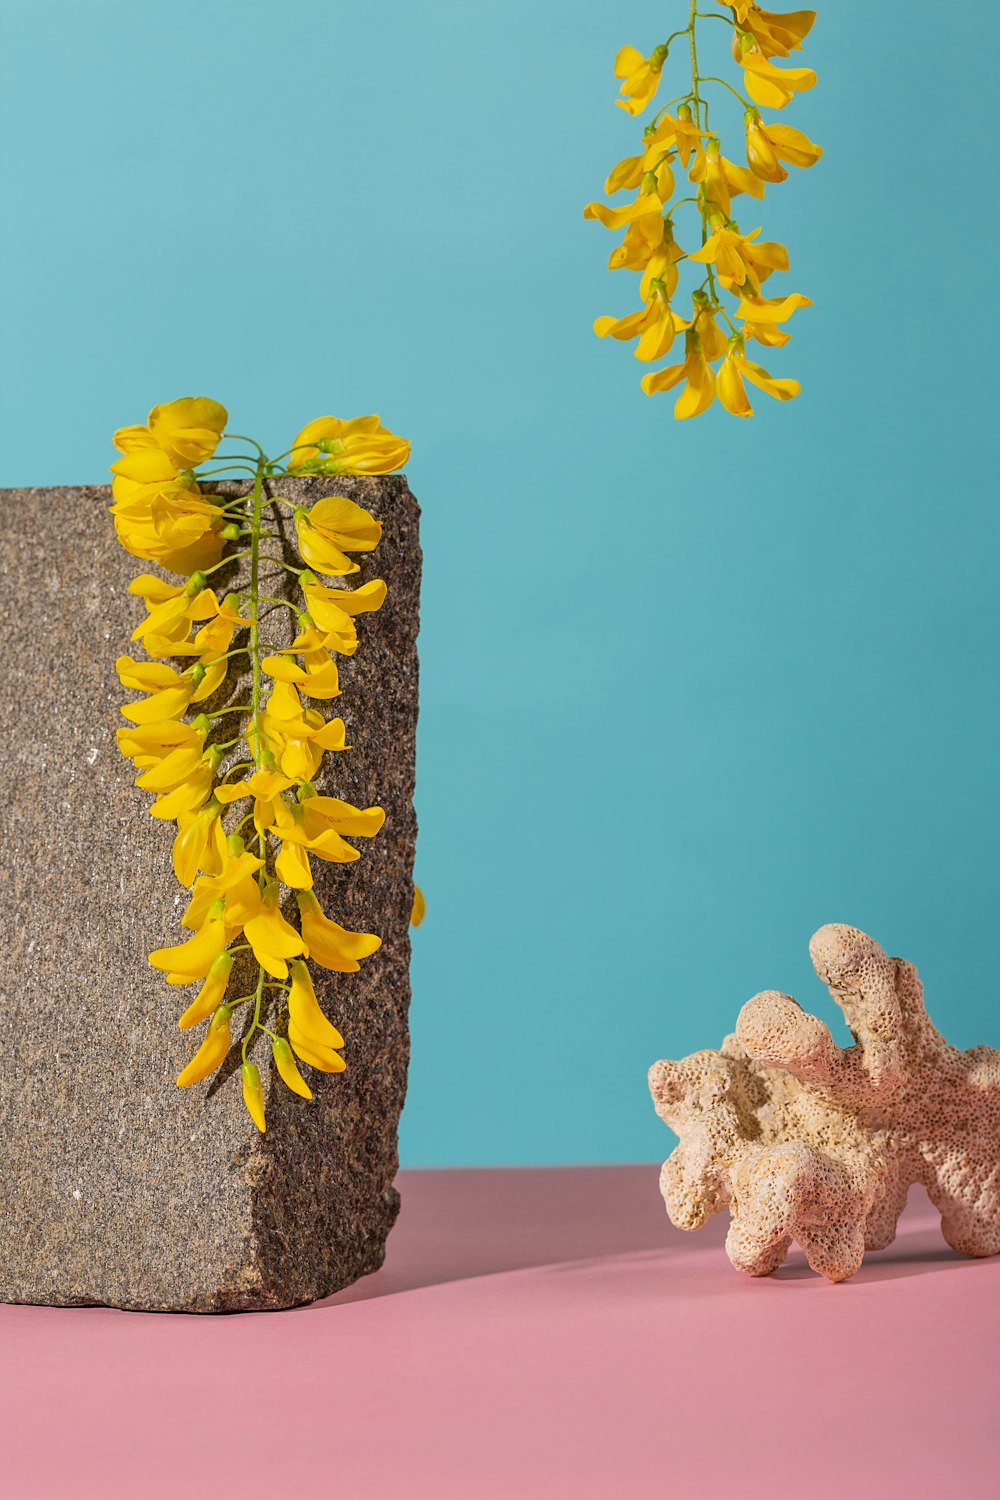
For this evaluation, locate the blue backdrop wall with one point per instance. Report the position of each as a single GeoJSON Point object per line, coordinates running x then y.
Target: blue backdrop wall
{"type": "Point", "coordinates": [689, 690]}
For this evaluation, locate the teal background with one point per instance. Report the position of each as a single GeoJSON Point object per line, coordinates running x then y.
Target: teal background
{"type": "Point", "coordinates": [689, 689]}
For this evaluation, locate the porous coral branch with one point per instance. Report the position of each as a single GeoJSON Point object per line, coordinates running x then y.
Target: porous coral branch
{"type": "Point", "coordinates": [805, 1141]}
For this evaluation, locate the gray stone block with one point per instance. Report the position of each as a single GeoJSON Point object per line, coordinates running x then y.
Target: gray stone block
{"type": "Point", "coordinates": [117, 1187]}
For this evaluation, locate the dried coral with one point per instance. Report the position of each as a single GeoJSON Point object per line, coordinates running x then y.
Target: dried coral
{"type": "Point", "coordinates": [805, 1141]}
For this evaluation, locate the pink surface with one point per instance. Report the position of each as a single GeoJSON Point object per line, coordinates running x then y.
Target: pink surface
{"type": "Point", "coordinates": [534, 1333]}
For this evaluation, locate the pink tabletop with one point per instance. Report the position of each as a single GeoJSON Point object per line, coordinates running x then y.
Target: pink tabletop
{"type": "Point", "coordinates": [533, 1333]}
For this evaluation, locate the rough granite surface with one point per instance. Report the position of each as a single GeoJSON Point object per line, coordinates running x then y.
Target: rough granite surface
{"type": "Point", "coordinates": [116, 1187]}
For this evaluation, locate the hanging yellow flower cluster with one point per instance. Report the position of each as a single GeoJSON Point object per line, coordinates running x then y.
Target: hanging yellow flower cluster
{"type": "Point", "coordinates": [735, 262]}
{"type": "Point", "coordinates": [166, 511]}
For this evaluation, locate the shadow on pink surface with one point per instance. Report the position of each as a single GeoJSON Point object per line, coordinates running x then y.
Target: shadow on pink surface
{"type": "Point", "coordinates": [544, 1334]}
{"type": "Point", "coordinates": [500, 1220]}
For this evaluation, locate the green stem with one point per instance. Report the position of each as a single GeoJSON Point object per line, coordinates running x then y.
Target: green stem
{"type": "Point", "coordinates": [256, 516]}
{"type": "Point", "coordinates": [238, 437]}
{"type": "Point", "coordinates": [233, 557]}
{"type": "Point", "coordinates": [255, 1023]}
{"type": "Point", "coordinates": [241, 765]}
{"type": "Point", "coordinates": [707, 78]}
{"type": "Point", "coordinates": [692, 16]}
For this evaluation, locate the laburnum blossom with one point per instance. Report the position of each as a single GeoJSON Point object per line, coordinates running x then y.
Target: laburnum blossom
{"type": "Point", "coordinates": [655, 326]}
{"type": "Point", "coordinates": [722, 180]}
{"type": "Point", "coordinates": [763, 315]}
{"type": "Point", "coordinates": [158, 509]}
{"type": "Point", "coordinates": [640, 77]}
{"type": "Point", "coordinates": [776, 35]}
{"type": "Point", "coordinates": [769, 145]}
{"type": "Point", "coordinates": [679, 139]}
{"type": "Point", "coordinates": [735, 369]}
{"type": "Point", "coordinates": [250, 821]}
{"type": "Point", "coordinates": [740, 262]}
{"type": "Point", "coordinates": [330, 445]}
{"type": "Point", "coordinates": [212, 1052]}
{"type": "Point", "coordinates": [188, 430]}
{"type": "Point", "coordinates": [332, 528]}
{"type": "Point", "coordinates": [766, 83]}
{"type": "Point", "coordinates": [696, 373]}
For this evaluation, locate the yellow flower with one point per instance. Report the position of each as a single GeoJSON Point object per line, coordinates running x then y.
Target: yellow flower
{"type": "Point", "coordinates": [180, 787]}
{"type": "Point", "coordinates": [722, 180]}
{"type": "Point", "coordinates": [272, 939]}
{"type": "Point", "coordinates": [188, 430]}
{"type": "Point", "coordinates": [333, 610]}
{"type": "Point", "coordinates": [212, 640]}
{"type": "Point", "coordinates": [200, 843]}
{"type": "Point", "coordinates": [298, 739]}
{"type": "Point", "coordinates": [238, 865]}
{"type": "Point", "coordinates": [735, 369]}
{"type": "Point", "coordinates": [210, 994]}
{"type": "Point", "coordinates": [659, 265]}
{"type": "Point", "coordinates": [419, 908]}
{"type": "Point", "coordinates": [640, 77]}
{"type": "Point", "coordinates": [698, 376]}
{"type": "Point", "coordinates": [145, 473]}
{"type": "Point", "coordinates": [160, 514]}
{"type": "Point", "coordinates": [677, 130]}
{"type": "Point", "coordinates": [329, 445]}
{"type": "Point", "coordinates": [317, 679]}
{"type": "Point", "coordinates": [287, 1071]}
{"type": "Point", "coordinates": [311, 1035]}
{"type": "Point", "coordinates": [320, 824]}
{"type": "Point", "coordinates": [171, 610]}
{"type": "Point", "coordinates": [218, 1040]}
{"type": "Point", "coordinates": [655, 326]}
{"type": "Point", "coordinates": [325, 814]}
{"type": "Point", "coordinates": [644, 217]}
{"type": "Point", "coordinates": [169, 691]}
{"type": "Point", "coordinates": [330, 945]}
{"type": "Point", "coordinates": [253, 1094]}
{"type": "Point", "coordinates": [763, 314]}
{"type": "Point", "coordinates": [713, 340]}
{"type": "Point", "coordinates": [769, 145]}
{"type": "Point", "coordinates": [148, 744]}
{"type": "Point", "coordinates": [326, 843]}
{"type": "Point", "coordinates": [292, 867]}
{"type": "Point", "coordinates": [740, 262]}
{"type": "Point", "coordinates": [185, 962]}
{"type": "Point", "coordinates": [767, 85]}
{"type": "Point", "coordinates": [627, 174]}
{"type": "Point", "coordinates": [265, 786]}
{"type": "Point", "coordinates": [332, 528]}
{"type": "Point", "coordinates": [776, 35]}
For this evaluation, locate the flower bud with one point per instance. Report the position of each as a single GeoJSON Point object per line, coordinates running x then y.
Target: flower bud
{"type": "Point", "coordinates": [213, 1049]}
{"type": "Point", "coordinates": [253, 1094]}
{"type": "Point", "coordinates": [284, 1061]}
{"type": "Point", "coordinates": [210, 994]}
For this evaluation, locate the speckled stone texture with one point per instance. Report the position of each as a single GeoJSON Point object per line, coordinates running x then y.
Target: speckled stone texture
{"type": "Point", "coordinates": [803, 1141]}
{"type": "Point", "coordinates": [117, 1187]}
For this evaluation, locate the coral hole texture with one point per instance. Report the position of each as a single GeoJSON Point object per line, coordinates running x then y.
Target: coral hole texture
{"type": "Point", "coordinates": [803, 1140]}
